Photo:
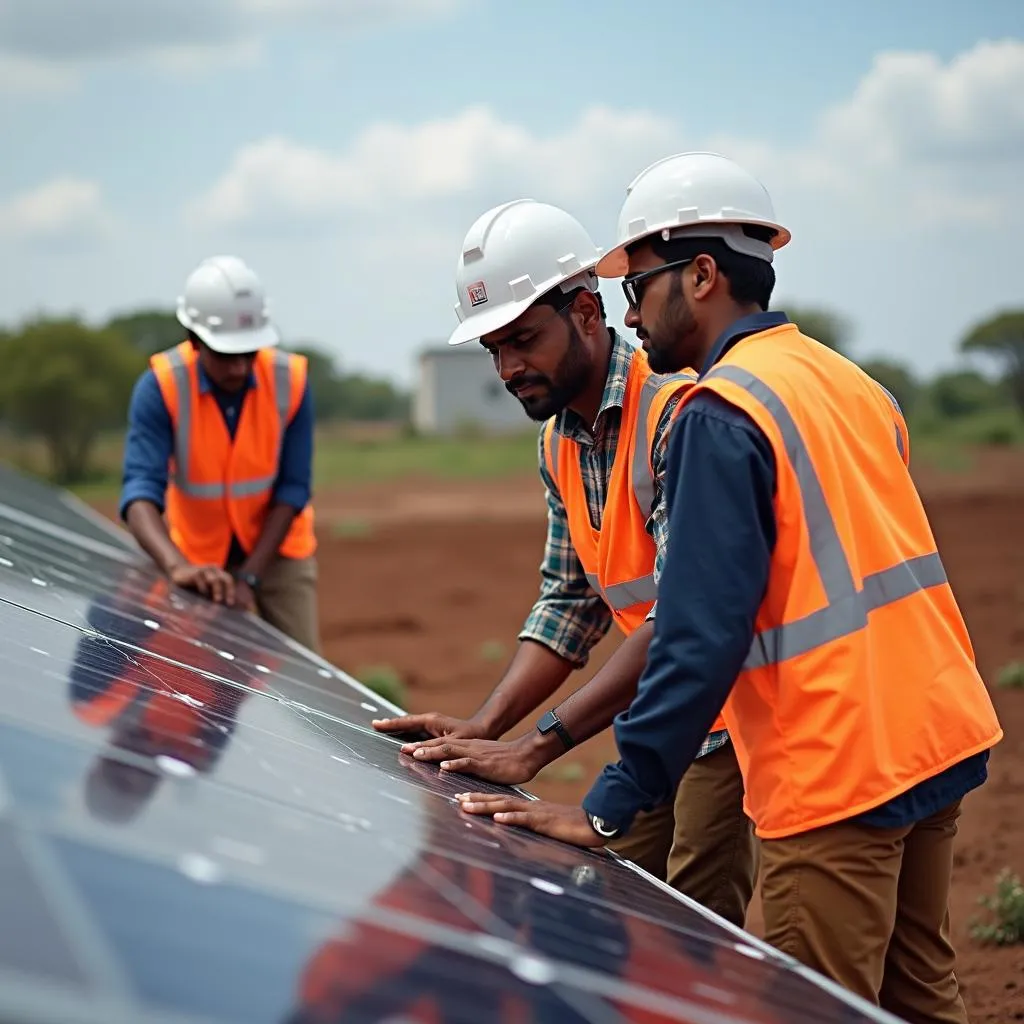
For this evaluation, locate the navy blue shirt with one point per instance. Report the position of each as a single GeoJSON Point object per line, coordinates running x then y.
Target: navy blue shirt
{"type": "Point", "coordinates": [150, 444]}
{"type": "Point", "coordinates": [720, 489]}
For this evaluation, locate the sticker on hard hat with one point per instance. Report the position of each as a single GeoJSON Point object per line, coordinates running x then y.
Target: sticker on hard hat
{"type": "Point", "coordinates": [246, 320]}
{"type": "Point", "coordinates": [477, 293]}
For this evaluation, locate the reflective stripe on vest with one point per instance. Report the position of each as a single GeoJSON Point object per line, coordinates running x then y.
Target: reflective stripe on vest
{"type": "Point", "coordinates": [896, 406]}
{"type": "Point", "coordinates": [620, 596]}
{"type": "Point", "coordinates": [847, 609]}
{"type": "Point", "coordinates": [183, 430]}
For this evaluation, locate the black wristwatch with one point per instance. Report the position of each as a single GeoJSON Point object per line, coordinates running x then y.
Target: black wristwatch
{"type": "Point", "coordinates": [550, 722]}
{"type": "Point", "coordinates": [250, 579]}
{"type": "Point", "coordinates": [603, 830]}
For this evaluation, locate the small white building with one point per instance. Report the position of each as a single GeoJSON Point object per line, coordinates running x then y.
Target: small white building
{"type": "Point", "coordinates": [457, 388]}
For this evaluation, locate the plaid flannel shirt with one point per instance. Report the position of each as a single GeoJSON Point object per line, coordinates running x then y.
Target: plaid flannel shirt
{"type": "Point", "coordinates": [569, 616]}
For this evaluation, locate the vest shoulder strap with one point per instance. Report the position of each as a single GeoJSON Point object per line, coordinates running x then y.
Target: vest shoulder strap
{"type": "Point", "coordinates": [900, 423]}
{"type": "Point", "coordinates": [551, 446]}
{"type": "Point", "coordinates": [172, 369]}
{"type": "Point", "coordinates": [288, 371]}
{"type": "Point", "coordinates": [655, 394]}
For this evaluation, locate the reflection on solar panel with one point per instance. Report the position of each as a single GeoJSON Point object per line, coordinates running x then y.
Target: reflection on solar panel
{"type": "Point", "coordinates": [198, 824]}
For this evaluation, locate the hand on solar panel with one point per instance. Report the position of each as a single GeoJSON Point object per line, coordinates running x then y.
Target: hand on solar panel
{"type": "Point", "coordinates": [209, 580]}
{"type": "Point", "coordinates": [559, 821]}
{"type": "Point", "coordinates": [432, 724]}
{"type": "Point", "coordinates": [245, 599]}
{"type": "Point", "coordinates": [493, 760]}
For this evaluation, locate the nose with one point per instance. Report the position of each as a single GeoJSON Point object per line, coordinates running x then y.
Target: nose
{"type": "Point", "coordinates": [632, 318]}
{"type": "Point", "coordinates": [509, 364]}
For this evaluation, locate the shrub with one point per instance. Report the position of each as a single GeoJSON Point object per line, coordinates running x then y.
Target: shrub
{"type": "Point", "coordinates": [1006, 907]}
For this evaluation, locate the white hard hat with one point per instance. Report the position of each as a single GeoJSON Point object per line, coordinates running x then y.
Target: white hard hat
{"type": "Point", "coordinates": [511, 256]}
{"type": "Point", "coordinates": [225, 305]}
{"type": "Point", "coordinates": [702, 195]}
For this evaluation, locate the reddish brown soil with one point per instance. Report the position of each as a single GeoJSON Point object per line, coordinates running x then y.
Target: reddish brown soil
{"type": "Point", "coordinates": [446, 572]}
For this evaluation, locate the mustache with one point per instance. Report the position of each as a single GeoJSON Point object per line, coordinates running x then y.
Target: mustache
{"type": "Point", "coordinates": [523, 382]}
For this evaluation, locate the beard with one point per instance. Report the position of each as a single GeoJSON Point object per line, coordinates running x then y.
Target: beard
{"type": "Point", "coordinates": [671, 340]}
{"type": "Point", "coordinates": [552, 394]}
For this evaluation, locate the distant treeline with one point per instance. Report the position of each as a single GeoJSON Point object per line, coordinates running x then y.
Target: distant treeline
{"type": "Point", "coordinates": [65, 382]}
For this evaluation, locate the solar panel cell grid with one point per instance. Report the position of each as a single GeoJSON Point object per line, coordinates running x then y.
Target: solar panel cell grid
{"type": "Point", "coordinates": [197, 823]}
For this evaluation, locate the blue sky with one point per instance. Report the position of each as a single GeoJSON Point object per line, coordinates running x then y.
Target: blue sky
{"type": "Point", "coordinates": [343, 147]}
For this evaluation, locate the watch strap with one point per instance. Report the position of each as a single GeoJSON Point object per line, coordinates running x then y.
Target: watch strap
{"type": "Point", "coordinates": [250, 579]}
{"type": "Point", "coordinates": [550, 722]}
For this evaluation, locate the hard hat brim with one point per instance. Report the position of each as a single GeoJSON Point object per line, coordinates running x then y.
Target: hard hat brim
{"type": "Point", "coordinates": [484, 323]}
{"type": "Point", "coordinates": [615, 262]}
{"type": "Point", "coordinates": [234, 343]}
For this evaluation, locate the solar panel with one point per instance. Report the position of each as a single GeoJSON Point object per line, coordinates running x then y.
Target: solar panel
{"type": "Point", "coordinates": [197, 823]}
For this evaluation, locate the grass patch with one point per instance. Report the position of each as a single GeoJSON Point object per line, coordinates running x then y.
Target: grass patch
{"type": "Point", "coordinates": [557, 771]}
{"type": "Point", "coordinates": [385, 681]}
{"type": "Point", "coordinates": [377, 459]}
{"type": "Point", "coordinates": [351, 529]}
{"type": "Point", "coordinates": [1011, 677]}
{"type": "Point", "coordinates": [492, 650]}
{"type": "Point", "coordinates": [1005, 926]}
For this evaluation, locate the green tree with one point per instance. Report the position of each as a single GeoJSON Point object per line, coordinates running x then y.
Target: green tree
{"type": "Point", "coordinates": [340, 396]}
{"type": "Point", "coordinates": [324, 383]}
{"type": "Point", "coordinates": [897, 380]}
{"type": "Point", "coordinates": [149, 330]}
{"type": "Point", "coordinates": [963, 393]}
{"type": "Point", "coordinates": [65, 382]}
{"type": "Point", "coordinates": [1002, 336]}
{"type": "Point", "coordinates": [822, 325]}
{"type": "Point", "coordinates": [371, 399]}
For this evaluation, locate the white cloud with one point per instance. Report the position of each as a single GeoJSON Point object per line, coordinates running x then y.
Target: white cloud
{"type": "Point", "coordinates": [47, 43]}
{"type": "Point", "coordinates": [20, 75]}
{"type": "Point", "coordinates": [390, 166]}
{"type": "Point", "coordinates": [918, 143]}
{"type": "Point", "coordinates": [63, 210]}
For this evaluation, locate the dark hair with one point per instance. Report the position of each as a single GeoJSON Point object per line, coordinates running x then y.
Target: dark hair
{"type": "Point", "coordinates": [751, 280]}
{"type": "Point", "coordinates": [563, 300]}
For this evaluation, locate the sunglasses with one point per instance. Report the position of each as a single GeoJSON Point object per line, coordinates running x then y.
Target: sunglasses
{"type": "Point", "coordinates": [635, 285]}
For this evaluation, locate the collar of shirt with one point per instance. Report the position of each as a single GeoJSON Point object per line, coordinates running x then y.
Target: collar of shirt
{"type": "Point", "coordinates": [571, 425]}
{"type": "Point", "coordinates": [206, 386]}
{"type": "Point", "coordinates": [746, 325]}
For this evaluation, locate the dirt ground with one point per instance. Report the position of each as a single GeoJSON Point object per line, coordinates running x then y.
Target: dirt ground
{"type": "Point", "coordinates": [434, 580]}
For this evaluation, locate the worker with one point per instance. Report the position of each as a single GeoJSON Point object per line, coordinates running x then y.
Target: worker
{"type": "Point", "coordinates": [527, 291]}
{"type": "Point", "coordinates": [801, 590]}
{"type": "Point", "coordinates": [220, 437]}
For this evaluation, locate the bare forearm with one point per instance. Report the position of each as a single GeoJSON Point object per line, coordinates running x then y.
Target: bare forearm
{"type": "Point", "coordinates": [593, 707]}
{"type": "Point", "coordinates": [149, 529]}
{"type": "Point", "coordinates": [275, 529]}
{"type": "Point", "coordinates": [534, 674]}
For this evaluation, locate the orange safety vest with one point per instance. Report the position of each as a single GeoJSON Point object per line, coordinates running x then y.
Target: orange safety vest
{"type": "Point", "coordinates": [220, 487]}
{"type": "Point", "coordinates": [619, 558]}
{"type": "Point", "coordinates": [861, 680]}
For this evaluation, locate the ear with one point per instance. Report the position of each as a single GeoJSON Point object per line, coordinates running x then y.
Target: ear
{"type": "Point", "coordinates": [705, 276]}
{"type": "Point", "coordinates": [587, 311]}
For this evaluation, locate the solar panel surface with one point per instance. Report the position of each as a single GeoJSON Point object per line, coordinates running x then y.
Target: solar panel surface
{"type": "Point", "coordinates": [197, 823]}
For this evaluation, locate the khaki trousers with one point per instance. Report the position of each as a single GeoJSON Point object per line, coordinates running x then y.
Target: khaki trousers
{"type": "Point", "coordinates": [701, 844]}
{"type": "Point", "coordinates": [867, 907]}
{"type": "Point", "coordinates": [287, 599]}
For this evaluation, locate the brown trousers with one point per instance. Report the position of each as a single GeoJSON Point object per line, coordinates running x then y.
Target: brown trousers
{"type": "Point", "coordinates": [701, 844]}
{"type": "Point", "coordinates": [867, 907]}
{"type": "Point", "coordinates": [287, 599]}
